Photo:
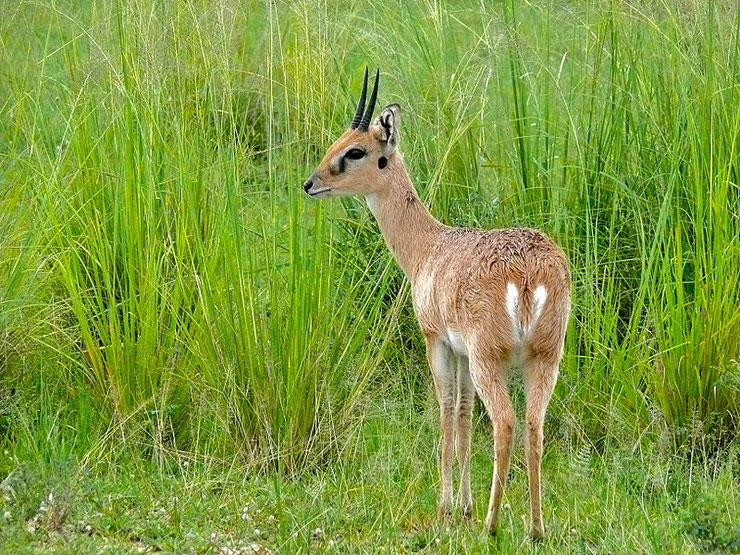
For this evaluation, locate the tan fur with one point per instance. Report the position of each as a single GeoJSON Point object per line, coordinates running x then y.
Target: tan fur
{"type": "Point", "coordinates": [484, 300]}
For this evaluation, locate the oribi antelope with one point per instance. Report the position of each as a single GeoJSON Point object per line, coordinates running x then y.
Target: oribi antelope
{"type": "Point", "coordinates": [485, 300]}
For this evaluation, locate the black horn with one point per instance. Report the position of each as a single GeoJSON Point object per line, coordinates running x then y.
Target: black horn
{"type": "Point", "coordinates": [360, 105]}
{"type": "Point", "coordinates": [365, 123]}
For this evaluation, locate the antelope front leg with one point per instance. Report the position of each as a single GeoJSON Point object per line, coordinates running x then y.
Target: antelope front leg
{"type": "Point", "coordinates": [443, 372]}
{"type": "Point", "coordinates": [463, 422]}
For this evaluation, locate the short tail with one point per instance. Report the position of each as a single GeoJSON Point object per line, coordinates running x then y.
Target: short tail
{"type": "Point", "coordinates": [525, 308]}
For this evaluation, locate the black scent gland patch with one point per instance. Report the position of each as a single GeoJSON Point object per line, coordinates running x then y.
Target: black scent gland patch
{"type": "Point", "coordinates": [382, 162]}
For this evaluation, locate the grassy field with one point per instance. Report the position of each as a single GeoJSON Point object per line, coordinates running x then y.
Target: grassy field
{"type": "Point", "coordinates": [195, 357]}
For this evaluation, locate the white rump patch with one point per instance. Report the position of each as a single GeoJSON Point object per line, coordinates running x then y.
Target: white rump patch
{"type": "Point", "coordinates": [512, 301]}
{"type": "Point", "coordinates": [539, 298]}
{"type": "Point", "coordinates": [512, 304]}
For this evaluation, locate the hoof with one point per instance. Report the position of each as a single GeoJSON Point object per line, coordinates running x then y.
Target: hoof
{"type": "Point", "coordinates": [537, 533]}
{"type": "Point", "coordinates": [492, 528]}
{"type": "Point", "coordinates": [467, 512]}
{"type": "Point", "coordinates": [444, 512]}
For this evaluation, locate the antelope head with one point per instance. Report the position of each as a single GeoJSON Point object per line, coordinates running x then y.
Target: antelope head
{"type": "Point", "coordinates": [356, 163]}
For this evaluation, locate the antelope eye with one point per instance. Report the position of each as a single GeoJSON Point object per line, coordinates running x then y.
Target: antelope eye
{"type": "Point", "coordinates": [355, 154]}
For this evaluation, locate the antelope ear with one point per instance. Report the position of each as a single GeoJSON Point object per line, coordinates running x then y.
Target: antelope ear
{"type": "Point", "coordinates": [385, 128]}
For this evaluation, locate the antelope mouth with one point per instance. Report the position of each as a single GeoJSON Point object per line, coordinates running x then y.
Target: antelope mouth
{"type": "Point", "coordinates": [313, 193]}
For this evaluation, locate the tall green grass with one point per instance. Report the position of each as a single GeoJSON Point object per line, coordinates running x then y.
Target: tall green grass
{"type": "Point", "coordinates": [164, 283]}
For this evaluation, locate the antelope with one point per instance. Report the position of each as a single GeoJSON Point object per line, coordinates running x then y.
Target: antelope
{"type": "Point", "coordinates": [485, 300]}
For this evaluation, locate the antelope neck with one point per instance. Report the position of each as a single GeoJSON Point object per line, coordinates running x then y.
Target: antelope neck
{"type": "Point", "coordinates": [407, 226]}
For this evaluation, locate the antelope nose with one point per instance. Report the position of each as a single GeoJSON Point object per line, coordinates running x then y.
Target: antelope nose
{"type": "Point", "coordinates": [308, 184]}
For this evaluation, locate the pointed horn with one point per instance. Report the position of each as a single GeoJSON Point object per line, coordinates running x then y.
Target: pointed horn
{"type": "Point", "coordinates": [360, 105]}
{"type": "Point", "coordinates": [365, 123]}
